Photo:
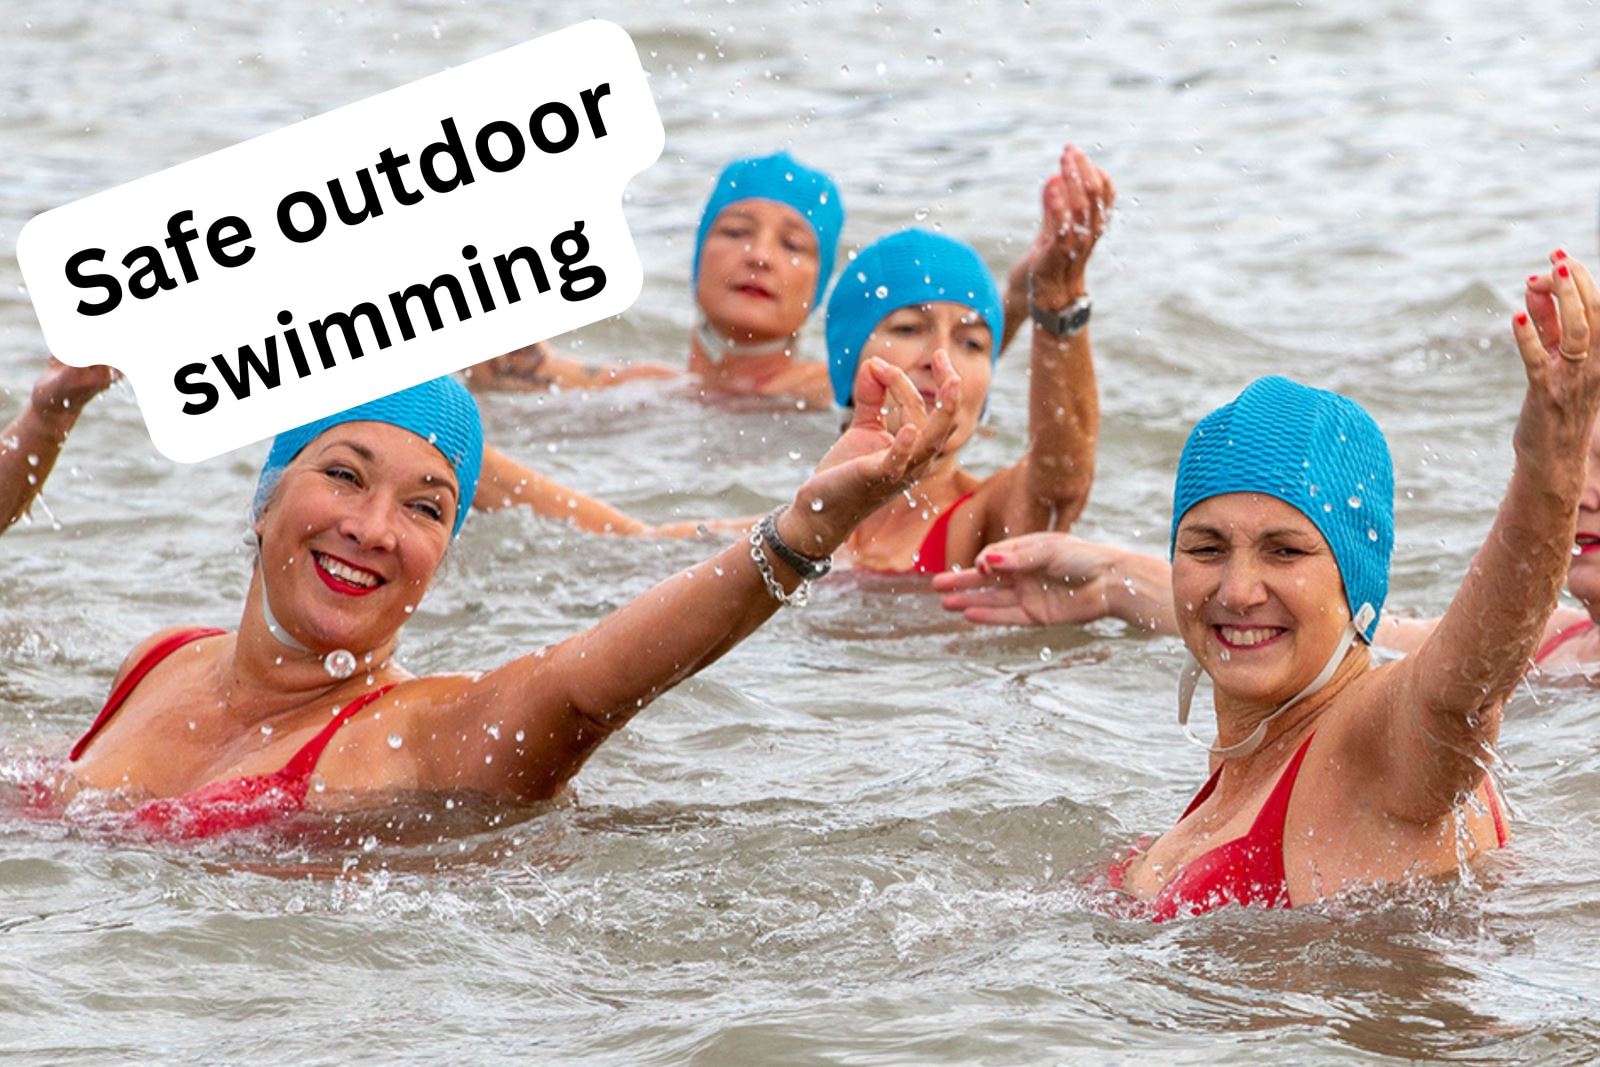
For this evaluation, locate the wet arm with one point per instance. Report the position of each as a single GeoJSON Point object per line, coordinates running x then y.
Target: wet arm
{"type": "Point", "coordinates": [30, 445]}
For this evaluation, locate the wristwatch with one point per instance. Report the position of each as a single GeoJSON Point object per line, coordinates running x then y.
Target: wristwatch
{"type": "Point", "coordinates": [808, 567]}
{"type": "Point", "coordinates": [1062, 323]}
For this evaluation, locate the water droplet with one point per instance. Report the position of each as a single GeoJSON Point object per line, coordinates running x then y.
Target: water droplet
{"type": "Point", "coordinates": [318, 784]}
{"type": "Point", "coordinates": [521, 735]}
{"type": "Point", "coordinates": [716, 569]}
{"type": "Point", "coordinates": [1044, 654]}
{"type": "Point", "coordinates": [1354, 501]}
{"type": "Point", "coordinates": [370, 843]}
{"type": "Point", "coordinates": [395, 741]}
{"type": "Point", "coordinates": [1372, 535]}
{"type": "Point", "coordinates": [881, 292]}
{"type": "Point", "coordinates": [410, 608]}
{"type": "Point", "coordinates": [493, 730]}
{"type": "Point", "coordinates": [921, 214]}
{"type": "Point", "coordinates": [266, 731]}
{"type": "Point", "coordinates": [794, 453]}
{"type": "Point", "coordinates": [816, 505]}
{"type": "Point", "coordinates": [340, 663]}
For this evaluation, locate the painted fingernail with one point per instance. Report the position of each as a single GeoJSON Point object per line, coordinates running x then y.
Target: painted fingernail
{"type": "Point", "coordinates": [1560, 253]}
{"type": "Point", "coordinates": [1563, 271]}
{"type": "Point", "coordinates": [1522, 318]}
{"type": "Point", "coordinates": [1533, 279]}
{"type": "Point", "coordinates": [993, 557]}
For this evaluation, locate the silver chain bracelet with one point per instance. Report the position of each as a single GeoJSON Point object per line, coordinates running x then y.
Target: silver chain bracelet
{"type": "Point", "coordinates": [758, 554]}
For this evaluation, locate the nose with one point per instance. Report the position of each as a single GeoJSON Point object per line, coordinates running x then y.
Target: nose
{"type": "Point", "coordinates": [762, 248]}
{"type": "Point", "coordinates": [370, 523]}
{"type": "Point", "coordinates": [1589, 499]}
{"type": "Point", "coordinates": [1240, 587]}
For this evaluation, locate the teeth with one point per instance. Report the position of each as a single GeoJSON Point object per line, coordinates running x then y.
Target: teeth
{"type": "Point", "coordinates": [1246, 638]}
{"type": "Point", "coordinates": [347, 574]}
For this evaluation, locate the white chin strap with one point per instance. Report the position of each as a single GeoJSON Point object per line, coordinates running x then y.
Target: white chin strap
{"type": "Point", "coordinates": [340, 663]}
{"type": "Point", "coordinates": [1189, 678]}
{"type": "Point", "coordinates": [719, 347]}
{"type": "Point", "coordinates": [274, 627]}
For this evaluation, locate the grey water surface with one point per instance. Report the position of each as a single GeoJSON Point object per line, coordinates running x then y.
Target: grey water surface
{"type": "Point", "coordinates": [867, 835]}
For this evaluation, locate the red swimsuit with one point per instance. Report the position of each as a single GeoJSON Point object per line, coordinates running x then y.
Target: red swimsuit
{"type": "Point", "coordinates": [930, 558]}
{"type": "Point", "coordinates": [1249, 869]}
{"type": "Point", "coordinates": [235, 804]}
{"type": "Point", "coordinates": [1561, 637]}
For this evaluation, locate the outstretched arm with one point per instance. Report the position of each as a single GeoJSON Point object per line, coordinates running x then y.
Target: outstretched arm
{"type": "Point", "coordinates": [1432, 740]}
{"type": "Point", "coordinates": [1049, 487]}
{"type": "Point", "coordinates": [1048, 578]}
{"type": "Point", "coordinates": [538, 367]}
{"type": "Point", "coordinates": [30, 445]}
{"type": "Point", "coordinates": [565, 700]}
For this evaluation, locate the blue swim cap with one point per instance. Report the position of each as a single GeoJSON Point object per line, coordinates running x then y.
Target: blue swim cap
{"type": "Point", "coordinates": [783, 179]}
{"type": "Point", "coordinates": [441, 412]}
{"type": "Point", "coordinates": [1316, 451]}
{"type": "Point", "coordinates": [905, 268]}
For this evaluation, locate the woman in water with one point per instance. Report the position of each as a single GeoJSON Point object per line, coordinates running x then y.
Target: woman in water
{"type": "Point", "coordinates": [903, 299]}
{"type": "Point", "coordinates": [1330, 772]}
{"type": "Point", "coordinates": [763, 255]}
{"type": "Point", "coordinates": [222, 730]}
{"type": "Point", "coordinates": [1041, 579]}
{"type": "Point", "coordinates": [916, 296]}
{"type": "Point", "coordinates": [30, 445]}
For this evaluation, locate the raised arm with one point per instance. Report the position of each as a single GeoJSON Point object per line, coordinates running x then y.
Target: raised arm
{"type": "Point", "coordinates": [1444, 702]}
{"type": "Point", "coordinates": [1049, 487]}
{"type": "Point", "coordinates": [30, 445]}
{"type": "Point", "coordinates": [565, 700]}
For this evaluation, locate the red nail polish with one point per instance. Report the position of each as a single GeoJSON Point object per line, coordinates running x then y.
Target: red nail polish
{"type": "Point", "coordinates": [1563, 271]}
{"type": "Point", "coordinates": [993, 557]}
{"type": "Point", "coordinates": [1532, 278]}
{"type": "Point", "coordinates": [1522, 318]}
{"type": "Point", "coordinates": [1561, 253]}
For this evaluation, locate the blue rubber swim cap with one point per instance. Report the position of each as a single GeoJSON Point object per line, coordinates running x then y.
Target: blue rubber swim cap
{"type": "Point", "coordinates": [440, 412]}
{"type": "Point", "coordinates": [1316, 451]}
{"type": "Point", "coordinates": [783, 179]}
{"type": "Point", "coordinates": [905, 268]}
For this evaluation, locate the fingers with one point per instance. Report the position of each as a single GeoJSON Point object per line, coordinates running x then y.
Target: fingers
{"type": "Point", "coordinates": [1016, 616]}
{"type": "Point", "coordinates": [1571, 313]}
{"type": "Point", "coordinates": [904, 402]}
{"type": "Point", "coordinates": [1589, 293]}
{"type": "Point", "coordinates": [1542, 310]}
{"type": "Point", "coordinates": [958, 581]}
{"type": "Point", "coordinates": [1535, 357]}
{"type": "Point", "coordinates": [1002, 596]}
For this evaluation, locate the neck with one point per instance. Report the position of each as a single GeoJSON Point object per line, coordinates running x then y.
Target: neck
{"type": "Point", "coordinates": [1238, 718]}
{"type": "Point", "coordinates": [717, 357]}
{"type": "Point", "coordinates": [265, 673]}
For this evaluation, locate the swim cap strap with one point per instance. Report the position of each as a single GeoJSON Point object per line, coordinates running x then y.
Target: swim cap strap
{"type": "Point", "coordinates": [1189, 679]}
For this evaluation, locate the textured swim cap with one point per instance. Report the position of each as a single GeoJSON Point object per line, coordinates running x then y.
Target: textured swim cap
{"type": "Point", "coordinates": [441, 412]}
{"type": "Point", "coordinates": [1316, 451]}
{"type": "Point", "coordinates": [783, 179]}
{"type": "Point", "coordinates": [905, 268]}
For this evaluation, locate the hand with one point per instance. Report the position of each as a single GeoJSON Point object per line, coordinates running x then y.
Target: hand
{"type": "Point", "coordinates": [62, 391]}
{"type": "Point", "coordinates": [1077, 205]}
{"type": "Point", "coordinates": [1559, 340]}
{"type": "Point", "coordinates": [891, 441]}
{"type": "Point", "coordinates": [521, 368]}
{"type": "Point", "coordinates": [1033, 580]}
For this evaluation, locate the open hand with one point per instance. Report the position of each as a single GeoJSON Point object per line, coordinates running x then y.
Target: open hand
{"type": "Point", "coordinates": [1033, 580]}
{"type": "Point", "coordinates": [1077, 202]}
{"type": "Point", "coordinates": [1559, 341]}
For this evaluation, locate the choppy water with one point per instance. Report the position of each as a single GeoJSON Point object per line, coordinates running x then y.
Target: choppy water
{"type": "Point", "coordinates": [859, 839]}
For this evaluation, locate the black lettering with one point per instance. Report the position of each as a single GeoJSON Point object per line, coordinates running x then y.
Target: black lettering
{"type": "Point", "coordinates": [568, 120]}
{"type": "Point", "coordinates": [504, 263]}
{"type": "Point", "coordinates": [178, 239]}
{"type": "Point", "coordinates": [371, 205]}
{"type": "Point", "coordinates": [107, 282]}
{"type": "Point", "coordinates": [200, 389]}
{"type": "Point", "coordinates": [319, 217]}
{"type": "Point", "coordinates": [428, 296]}
{"type": "Point", "coordinates": [450, 146]}
{"type": "Point", "coordinates": [217, 243]}
{"type": "Point", "coordinates": [572, 275]}
{"type": "Point", "coordinates": [346, 325]}
{"type": "Point", "coordinates": [149, 279]}
{"type": "Point", "coordinates": [266, 370]}
{"type": "Point", "coordinates": [389, 166]}
{"type": "Point", "coordinates": [296, 353]}
{"type": "Point", "coordinates": [479, 281]}
{"type": "Point", "coordinates": [591, 107]}
{"type": "Point", "coordinates": [512, 135]}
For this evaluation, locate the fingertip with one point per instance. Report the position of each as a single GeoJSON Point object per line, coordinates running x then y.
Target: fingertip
{"type": "Point", "coordinates": [1520, 319]}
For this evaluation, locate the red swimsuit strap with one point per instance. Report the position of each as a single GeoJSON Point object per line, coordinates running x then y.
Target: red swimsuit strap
{"type": "Point", "coordinates": [1277, 805]}
{"type": "Point", "coordinates": [303, 762]}
{"type": "Point", "coordinates": [1561, 637]}
{"type": "Point", "coordinates": [146, 664]}
{"type": "Point", "coordinates": [931, 556]}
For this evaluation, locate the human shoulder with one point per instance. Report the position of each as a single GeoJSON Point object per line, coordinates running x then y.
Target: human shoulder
{"type": "Point", "coordinates": [154, 641]}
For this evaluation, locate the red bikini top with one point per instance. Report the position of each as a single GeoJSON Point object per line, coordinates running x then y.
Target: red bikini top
{"type": "Point", "coordinates": [237, 803]}
{"type": "Point", "coordinates": [930, 558]}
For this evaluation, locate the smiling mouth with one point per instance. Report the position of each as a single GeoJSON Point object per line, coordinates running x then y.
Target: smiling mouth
{"type": "Point", "coordinates": [1247, 638]}
{"type": "Point", "coordinates": [1586, 543]}
{"type": "Point", "coordinates": [344, 577]}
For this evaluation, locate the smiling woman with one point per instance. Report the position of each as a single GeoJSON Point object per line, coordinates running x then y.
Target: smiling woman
{"type": "Point", "coordinates": [209, 731]}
